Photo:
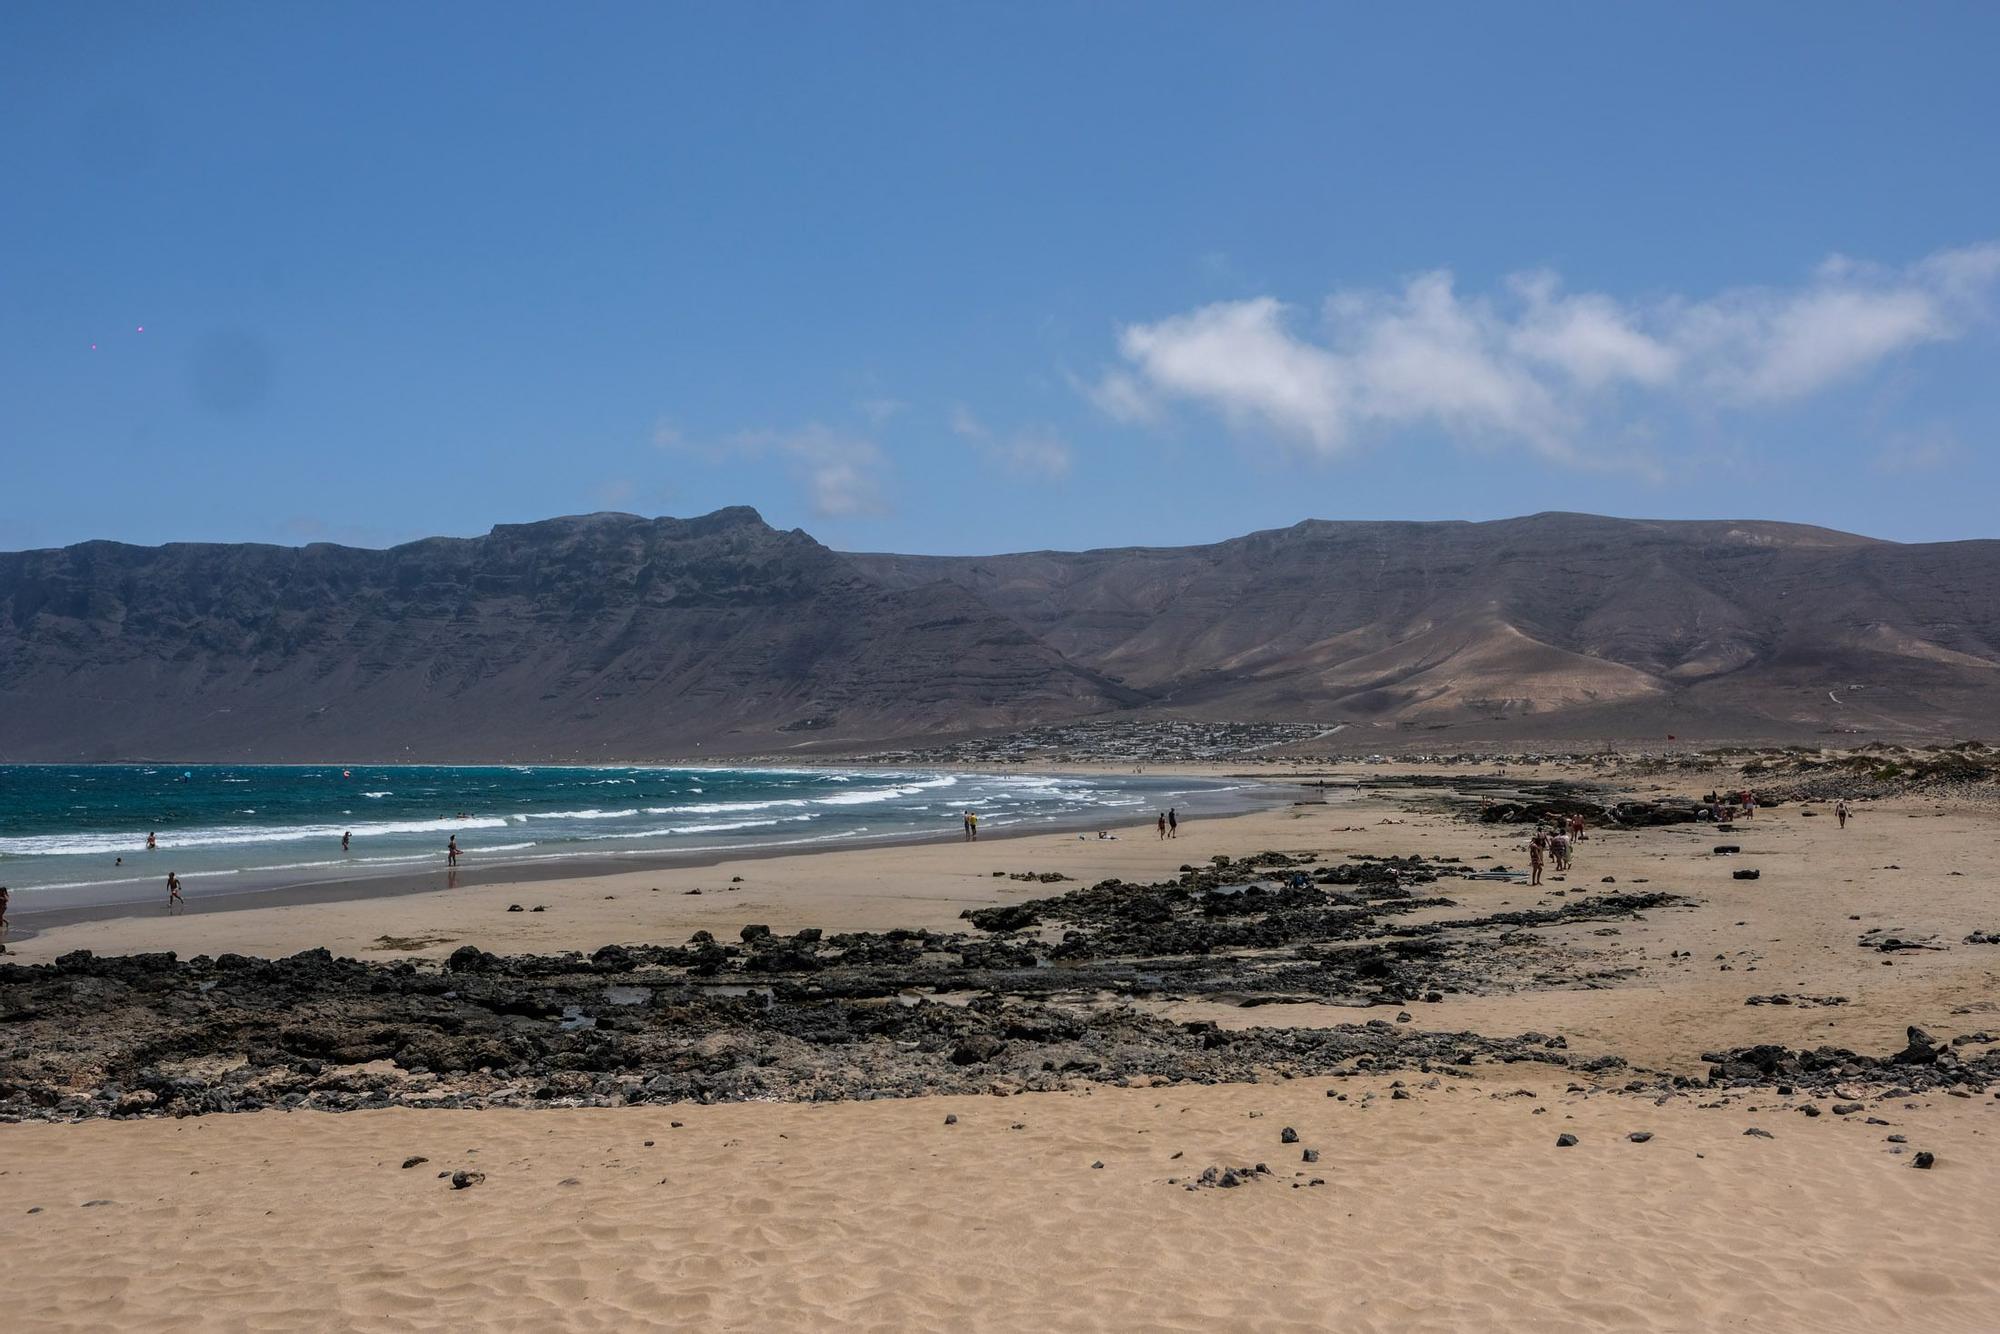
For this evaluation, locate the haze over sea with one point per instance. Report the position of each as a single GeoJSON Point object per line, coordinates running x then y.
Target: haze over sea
{"type": "Point", "coordinates": [77, 834]}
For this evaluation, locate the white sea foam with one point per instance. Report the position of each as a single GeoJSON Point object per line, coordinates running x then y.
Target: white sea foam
{"type": "Point", "coordinates": [713, 827]}
{"type": "Point", "coordinates": [724, 807]}
{"type": "Point", "coordinates": [222, 836]}
{"type": "Point", "coordinates": [592, 814]}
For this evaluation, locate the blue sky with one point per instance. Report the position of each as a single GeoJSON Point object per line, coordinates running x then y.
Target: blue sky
{"type": "Point", "coordinates": [965, 278]}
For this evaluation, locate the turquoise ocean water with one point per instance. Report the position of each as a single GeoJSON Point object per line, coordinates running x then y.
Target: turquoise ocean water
{"type": "Point", "coordinates": [73, 835]}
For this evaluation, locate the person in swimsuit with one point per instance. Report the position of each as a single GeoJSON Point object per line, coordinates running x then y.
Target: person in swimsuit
{"type": "Point", "coordinates": [1840, 812]}
{"type": "Point", "coordinates": [451, 851]}
{"type": "Point", "coordinates": [1163, 824]}
{"type": "Point", "coordinates": [1173, 823]}
{"type": "Point", "coordinates": [1535, 858]}
{"type": "Point", "coordinates": [345, 839]}
{"type": "Point", "coordinates": [152, 842]}
{"type": "Point", "coordinates": [174, 898]}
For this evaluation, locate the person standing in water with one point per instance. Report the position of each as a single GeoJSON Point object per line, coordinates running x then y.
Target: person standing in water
{"type": "Point", "coordinates": [345, 839]}
{"type": "Point", "coordinates": [174, 899]}
{"type": "Point", "coordinates": [451, 851]}
{"type": "Point", "coordinates": [152, 842]}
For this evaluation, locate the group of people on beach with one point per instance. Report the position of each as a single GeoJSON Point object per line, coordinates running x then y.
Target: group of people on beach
{"type": "Point", "coordinates": [1738, 805]}
{"type": "Point", "coordinates": [1554, 842]}
{"type": "Point", "coordinates": [1169, 823]}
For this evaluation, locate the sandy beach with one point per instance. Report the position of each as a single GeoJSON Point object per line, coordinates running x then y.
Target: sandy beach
{"type": "Point", "coordinates": [1449, 1210]}
{"type": "Point", "coordinates": [1447, 1207]}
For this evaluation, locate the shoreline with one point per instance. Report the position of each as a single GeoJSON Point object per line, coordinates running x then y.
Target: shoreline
{"type": "Point", "coordinates": [1526, 1072]}
{"type": "Point", "coordinates": [26, 924]}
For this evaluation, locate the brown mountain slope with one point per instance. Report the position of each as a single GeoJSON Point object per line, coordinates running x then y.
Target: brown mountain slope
{"type": "Point", "coordinates": [614, 636]}
{"type": "Point", "coordinates": [1554, 624]}
{"type": "Point", "coordinates": [602, 636]}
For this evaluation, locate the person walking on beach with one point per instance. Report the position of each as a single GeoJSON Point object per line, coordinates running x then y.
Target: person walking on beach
{"type": "Point", "coordinates": [1163, 824]}
{"type": "Point", "coordinates": [1535, 858]}
{"type": "Point", "coordinates": [1840, 812]}
{"type": "Point", "coordinates": [1173, 823]}
{"type": "Point", "coordinates": [451, 851]}
{"type": "Point", "coordinates": [345, 839]}
{"type": "Point", "coordinates": [174, 899]}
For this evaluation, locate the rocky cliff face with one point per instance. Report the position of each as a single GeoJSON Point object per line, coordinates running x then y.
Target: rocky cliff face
{"type": "Point", "coordinates": [580, 638]}
{"type": "Point", "coordinates": [612, 636]}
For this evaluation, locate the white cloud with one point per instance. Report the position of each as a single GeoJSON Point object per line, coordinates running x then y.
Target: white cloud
{"type": "Point", "coordinates": [965, 425]}
{"type": "Point", "coordinates": [882, 410]}
{"type": "Point", "coordinates": [1534, 365]}
{"type": "Point", "coordinates": [1120, 397]}
{"type": "Point", "coordinates": [1035, 452]}
{"type": "Point", "coordinates": [842, 474]}
{"type": "Point", "coordinates": [1239, 357]}
{"type": "Point", "coordinates": [1587, 337]}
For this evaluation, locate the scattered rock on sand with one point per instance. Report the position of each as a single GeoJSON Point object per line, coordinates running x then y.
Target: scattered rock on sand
{"type": "Point", "coordinates": [1288, 1136]}
{"type": "Point", "coordinates": [414, 1160]}
{"type": "Point", "coordinates": [461, 1180]}
{"type": "Point", "coordinates": [1565, 1140]}
{"type": "Point", "coordinates": [1924, 1160]}
{"type": "Point", "coordinates": [1640, 1136]}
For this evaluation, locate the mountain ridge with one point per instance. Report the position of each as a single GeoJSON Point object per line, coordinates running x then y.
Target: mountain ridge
{"type": "Point", "coordinates": [612, 635]}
